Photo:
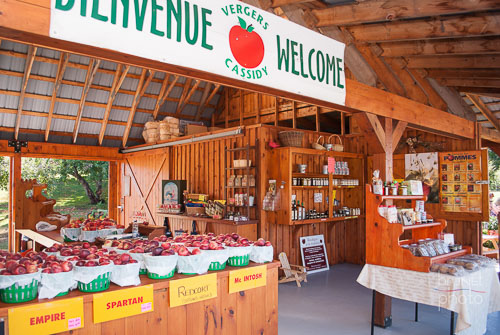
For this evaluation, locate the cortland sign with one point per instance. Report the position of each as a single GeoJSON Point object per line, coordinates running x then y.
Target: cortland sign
{"type": "Point", "coordinates": [228, 38]}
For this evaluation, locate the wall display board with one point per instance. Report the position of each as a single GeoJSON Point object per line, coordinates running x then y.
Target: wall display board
{"type": "Point", "coordinates": [224, 37]}
{"type": "Point", "coordinates": [313, 251]}
{"type": "Point", "coordinates": [459, 173]}
{"type": "Point", "coordinates": [424, 167]}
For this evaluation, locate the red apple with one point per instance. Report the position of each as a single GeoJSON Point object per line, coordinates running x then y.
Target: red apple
{"type": "Point", "coordinates": [47, 270]}
{"type": "Point", "coordinates": [67, 266]}
{"type": "Point", "coordinates": [117, 261]}
{"type": "Point", "coordinates": [86, 245]}
{"type": "Point", "coordinates": [31, 268]}
{"type": "Point", "coordinates": [183, 251]}
{"type": "Point", "coordinates": [84, 253]}
{"type": "Point", "coordinates": [20, 270]}
{"type": "Point", "coordinates": [10, 265]}
{"type": "Point", "coordinates": [91, 263]}
{"type": "Point", "coordinates": [196, 252]}
{"type": "Point", "coordinates": [80, 263]}
{"type": "Point", "coordinates": [165, 245]}
{"type": "Point", "coordinates": [125, 258]}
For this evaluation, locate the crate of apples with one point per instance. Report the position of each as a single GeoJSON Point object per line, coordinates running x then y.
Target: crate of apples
{"type": "Point", "coordinates": [161, 263]}
{"type": "Point", "coordinates": [262, 251]}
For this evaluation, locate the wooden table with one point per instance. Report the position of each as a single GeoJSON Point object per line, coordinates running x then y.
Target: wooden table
{"type": "Point", "coordinates": [253, 311]}
{"type": "Point", "coordinates": [46, 239]}
{"type": "Point", "coordinates": [247, 229]}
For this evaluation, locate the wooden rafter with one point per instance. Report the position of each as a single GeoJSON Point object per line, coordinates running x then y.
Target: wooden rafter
{"type": "Point", "coordinates": [63, 62]}
{"type": "Point", "coordinates": [318, 120]}
{"type": "Point", "coordinates": [185, 91]}
{"type": "Point", "coordinates": [204, 97]}
{"type": "Point", "coordinates": [266, 4]}
{"type": "Point", "coordinates": [294, 114]}
{"type": "Point", "coordinates": [207, 101]}
{"type": "Point", "coordinates": [91, 71]}
{"type": "Point", "coordinates": [463, 73]}
{"type": "Point", "coordinates": [446, 62]}
{"type": "Point", "coordinates": [139, 92]}
{"type": "Point", "coordinates": [476, 100]}
{"type": "Point", "coordinates": [189, 95]}
{"type": "Point", "coordinates": [162, 97]}
{"type": "Point", "coordinates": [484, 45]}
{"type": "Point", "coordinates": [412, 89]}
{"type": "Point", "coordinates": [446, 27]}
{"type": "Point", "coordinates": [383, 10]}
{"type": "Point", "coordinates": [30, 58]}
{"type": "Point", "coordinates": [276, 111]}
{"type": "Point", "coordinates": [435, 99]}
{"type": "Point", "coordinates": [397, 133]}
{"type": "Point", "coordinates": [117, 83]}
{"type": "Point", "coordinates": [469, 82]}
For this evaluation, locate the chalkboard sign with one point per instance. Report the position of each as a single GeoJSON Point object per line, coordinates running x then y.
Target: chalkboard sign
{"type": "Point", "coordinates": [313, 251]}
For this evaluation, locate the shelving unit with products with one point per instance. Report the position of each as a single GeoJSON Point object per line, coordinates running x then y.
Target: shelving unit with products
{"type": "Point", "coordinates": [324, 196]}
{"type": "Point", "coordinates": [240, 181]}
{"type": "Point", "coordinates": [384, 245]}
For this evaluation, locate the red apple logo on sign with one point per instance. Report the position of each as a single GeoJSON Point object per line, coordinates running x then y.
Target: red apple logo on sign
{"type": "Point", "coordinates": [246, 45]}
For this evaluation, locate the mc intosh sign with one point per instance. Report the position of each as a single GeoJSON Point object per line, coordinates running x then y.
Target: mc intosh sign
{"type": "Point", "coordinates": [224, 37]}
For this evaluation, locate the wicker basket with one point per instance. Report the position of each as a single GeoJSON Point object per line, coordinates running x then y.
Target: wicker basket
{"type": "Point", "coordinates": [337, 146]}
{"type": "Point", "coordinates": [291, 138]}
{"type": "Point", "coordinates": [195, 210]}
{"type": "Point", "coordinates": [317, 145]}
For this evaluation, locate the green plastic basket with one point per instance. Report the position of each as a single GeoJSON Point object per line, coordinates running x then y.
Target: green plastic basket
{"type": "Point", "coordinates": [143, 271]}
{"type": "Point", "coordinates": [189, 274]}
{"type": "Point", "coordinates": [67, 239]}
{"type": "Point", "coordinates": [239, 260]}
{"type": "Point", "coordinates": [62, 294]}
{"type": "Point", "coordinates": [155, 276]}
{"type": "Point", "coordinates": [215, 266]}
{"type": "Point", "coordinates": [99, 284]}
{"type": "Point", "coordinates": [16, 293]}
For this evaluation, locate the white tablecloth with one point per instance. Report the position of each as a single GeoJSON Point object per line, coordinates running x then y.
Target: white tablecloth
{"type": "Point", "coordinates": [472, 296]}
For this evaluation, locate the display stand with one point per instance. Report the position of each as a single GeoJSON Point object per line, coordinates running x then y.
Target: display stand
{"type": "Point", "coordinates": [383, 244]}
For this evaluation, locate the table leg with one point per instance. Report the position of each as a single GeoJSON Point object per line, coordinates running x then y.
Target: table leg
{"type": "Point", "coordinates": [416, 312]}
{"type": "Point", "coordinates": [373, 313]}
{"type": "Point", "coordinates": [452, 323]}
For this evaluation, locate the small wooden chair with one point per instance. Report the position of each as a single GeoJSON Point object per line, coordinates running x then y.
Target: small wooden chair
{"type": "Point", "coordinates": [291, 274]}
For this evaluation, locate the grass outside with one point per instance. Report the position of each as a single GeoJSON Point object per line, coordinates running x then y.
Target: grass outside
{"type": "Point", "coordinates": [70, 197]}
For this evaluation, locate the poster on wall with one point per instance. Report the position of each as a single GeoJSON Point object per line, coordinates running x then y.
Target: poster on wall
{"type": "Point", "coordinates": [459, 172]}
{"type": "Point", "coordinates": [313, 251]}
{"type": "Point", "coordinates": [424, 167]}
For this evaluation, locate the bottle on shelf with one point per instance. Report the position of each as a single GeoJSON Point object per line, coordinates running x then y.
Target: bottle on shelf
{"type": "Point", "coordinates": [294, 211]}
{"type": "Point", "coordinates": [303, 211]}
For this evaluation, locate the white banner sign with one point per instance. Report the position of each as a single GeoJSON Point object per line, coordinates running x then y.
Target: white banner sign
{"type": "Point", "coordinates": [225, 37]}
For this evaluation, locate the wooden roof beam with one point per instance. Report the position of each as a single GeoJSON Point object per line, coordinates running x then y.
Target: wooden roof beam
{"type": "Point", "coordinates": [446, 27]}
{"type": "Point", "coordinates": [139, 92]}
{"type": "Point", "coordinates": [463, 73]}
{"type": "Point", "coordinates": [266, 4]}
{"type": "Point", "coordinates": [383, 10]}
{"type": "Point", "coordinates": [164, 95]}
{"type": "Point", "coordinates": [63, 62]}
{"type": "Point", "coordinates": [189, 95]}
{"type": "Point", "coordinates": [117, 83]}
{"type": "Point", "coordinates": [446, 62]}
{"type": "Point", "coordinates": [185, 91]}
{"type": "Point", "coordinates": [472, 82]}
{"type": "Point", "coordinates": [413, 90]}
{"type": "Point", "coordinates": [488, 134]}
{"type": "Point", "coordinates": [30, 58]}
{"type": "Point", "coordinates": [91, 71]}
{"type": "Point", "coordinates": [483, 45]}
{"type": "Point", "coordinates": [476, 100]}
{"type": "Point", "coordinates": [207, 101]}
{"type": "Point", "coordinates": [204, 97]}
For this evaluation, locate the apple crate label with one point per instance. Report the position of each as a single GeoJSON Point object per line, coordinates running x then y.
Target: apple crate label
{"type": "Point", "coordinates": [224, 37]}
{"type": "Point", "coordinates": [245, 279]}
{"type": "Point", "coordinates": [191, 290]}
{"type": "Point", "coordinates": [46, 318]}
{"type": "Point", "coordinates": [123, 303]}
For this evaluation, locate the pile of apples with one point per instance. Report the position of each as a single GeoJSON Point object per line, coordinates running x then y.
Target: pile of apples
{"type": "Point", "coordinates": [262, 243]}
{"type": "Point", "coordinates": [56, 266]}
{"type": "Point", "coordinates": [234, 240]}
{"type": "Point", "coordinates": [15, 264]}
{"type": "Point", "coordinates": [164, 249]}
{"type": "Point", "coordinates": [98, 224]}
{"type": "Point", "coordinates": [74, 224]}
{"type": "Point", "coordinates": [122, 259]}
{"type": "Point", "coordinates": [54, 248]}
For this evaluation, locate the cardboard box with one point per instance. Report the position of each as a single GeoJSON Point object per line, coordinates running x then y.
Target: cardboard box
{"type": "Point", "coordinates": [214, 128]}
{"type": "Point", "coordinates": [192, 129]}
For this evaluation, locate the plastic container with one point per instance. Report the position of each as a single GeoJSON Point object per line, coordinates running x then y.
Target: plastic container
{"type": "Point", "coordinates": [156, 276]}
{"type": "Point", "coordinates": [15, 293]}
{"type": "Point", "coordinates": [239, 260]}
{"type": "Point", "coordinates": [216, 266]}
{"type": "Point", "coordinates": [99, 284]}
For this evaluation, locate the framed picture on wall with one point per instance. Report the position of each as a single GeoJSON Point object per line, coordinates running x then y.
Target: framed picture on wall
{"type": "Point", "coordinates": [172, 191]}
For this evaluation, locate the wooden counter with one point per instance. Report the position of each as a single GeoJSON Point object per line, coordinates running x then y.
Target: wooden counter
{"type": "Point", "coordinates": [253, 311]}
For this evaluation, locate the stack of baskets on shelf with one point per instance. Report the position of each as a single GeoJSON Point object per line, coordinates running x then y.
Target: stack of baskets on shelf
{"type": "Point", "coordinates": [166, 129]}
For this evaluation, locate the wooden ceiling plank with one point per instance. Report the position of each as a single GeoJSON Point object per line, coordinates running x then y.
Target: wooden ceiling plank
{"type": "Point", "coordinates": [492, 135]}
{"type": "Point", "coordinates": [91, 71]}
{"type": "Point", "coordinates": [476, 100]}
{"type": "Point", "coordinates": [469, 82]}
{"type": "Point", "coordinates": [211, 96]}
{"type": "Point", "coordinates": [161, 99]}
{"type": "Point", "coordinates": [30, 58]}
{"type": "Point", "coordinates": [185, 91]}
{"type": "Point", "coordinates": [464, 62]}
{"type": "Point", "coordinates": [397, 133]}
{"type": "Point", "coordinates": [204, 97]}
{"type": "Point", "coordinates": [447, 27]}
{"type": "Point", "coordinates": [469, 46]}
{"type": "Point", "coordinates": [412, 89]}
{"type": "Point", "coordinates": [483, 91]}
{"type": "Point", "coordinates": [160, 95]}
{"type": "Point", "coordinates": [463, 73]}
{"type": "Point", "coordinates": [141, 89]}
{"type": "Point", "coordinates": [435, 99]}
{"type": "Point", "coordinates": [63, 62]}
{"type": "Point", "coordinates": [189, 95]}
{"type": "Point", "coordinates": [383, 10]}
{"type": "Point", "coordinates": [117, 82]}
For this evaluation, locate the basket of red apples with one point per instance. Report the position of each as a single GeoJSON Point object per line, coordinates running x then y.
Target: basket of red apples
{"type": "Point", "coordinates": [126, 270]}
{"type": "Point", "coordinates": [19, 277]}
{"type": "Point", "coordinates": [93, 272]}
{"type": "Point", "coordinates": [239, 249]}
{"type": "Point", "coordinates": [93, 229]}
{"type": "Point", "coordinates": [191, 262]}
{"type": "Point", "coordinates": [161, 263]}
{"type": "Point", "coordinates": [71, 232]}
{"type": "Point", "coordinates": [56, 278]}
{"type": "Point", "coordinates": [53, 250]}
{"type": "Point", "coordinates": [217, 254]}
{"type": "Point", "coordinates": [262, 251]}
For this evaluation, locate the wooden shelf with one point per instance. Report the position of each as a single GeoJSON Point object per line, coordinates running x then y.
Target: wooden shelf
{"type": "Point", "coordinates": [443, 258]}
{"type": "Point", "coordinates": [310, 151]}
{"type": "Point", "coordinates": [240, 186]}
{"type": "Point", "coordinates": [310, 187]}
{"type": "Point", "coordinates": [311, 221]}
{"type": "Point", "coordinates": [240, 168]}
{"type": "Point", "coordinates": [320, 175]}
{"type": "Point", "coordinates": [401, 197]}
{"type": "Point", "coordinates": [423, 225]}
{"type": "Point", "coordinates": [241, 206]}
{"type": "Point", "coordinates": [207, 219]}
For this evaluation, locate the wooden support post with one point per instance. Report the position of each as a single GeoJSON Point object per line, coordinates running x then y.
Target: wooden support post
{"type": "Point", "coordinates": [342, 123]}
{"type": "Point", "coordinates": [226, 109]}
{"type": "Point", "coordinates": [318, 125]}
{"type": "Point", "coordinates": [259, 107]}
{"type": "Point", "coordinates": [16, 213]}
{"type": "Point", "coordinates": [276, 112]}
{"type": "Point", "coordinates": [388, 150]}
{"type": "Point", "coordinates": [294, 114]}
{"type": "Point", "coordinates": [113, 189]}
{"type": "Point", "coordinates": [241, 107]}
{"type": "Point", "coordinates": [30, 58]}
{"type": "Point", "coordinates": [383, 307]}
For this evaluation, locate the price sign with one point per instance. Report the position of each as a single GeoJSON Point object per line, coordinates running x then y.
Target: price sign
{"type": "Point", "coordinates": [123, 303]}
{"type": "Point", "coordinates": [47, 318]}
{"type": "Point", "coordinates": [190, 290]}
{"type": "Point", "coordinates": [313, 252]}
{"type": "Point", "coordinates": [245, 279]}
{"type": "Point", "coordinates": [331, 165]}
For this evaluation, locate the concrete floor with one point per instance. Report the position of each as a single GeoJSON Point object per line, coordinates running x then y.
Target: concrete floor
{"type": "Point", "coordinates": [334, 303]}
